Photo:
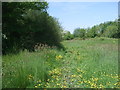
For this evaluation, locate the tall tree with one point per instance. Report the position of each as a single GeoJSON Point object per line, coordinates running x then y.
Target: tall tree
{"type": "Point", "coordinates": [12, 21]}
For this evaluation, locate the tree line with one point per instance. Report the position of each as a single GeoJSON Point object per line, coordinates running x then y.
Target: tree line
{"type": "Point", "coordinates": [106, 29]}
{"type": "Point", "coordinates": [25, 24]}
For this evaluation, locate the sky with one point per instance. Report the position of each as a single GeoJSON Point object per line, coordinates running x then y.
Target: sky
{"type": "Point", "coordinates": [72, 15]}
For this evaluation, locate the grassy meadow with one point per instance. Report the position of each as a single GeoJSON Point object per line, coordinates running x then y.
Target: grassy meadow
{"type": "Point", "coordinates": [90, 63]}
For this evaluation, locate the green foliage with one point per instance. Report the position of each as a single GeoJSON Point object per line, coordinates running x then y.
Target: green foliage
{"type": "Point", "coordinates": [26, 24]}
{"type": "Point", "coordinates": [93, 32]}
{"type": "Point", "coordinates": [79, 33]}
{"type": "Point", "coordinates": [118, 34]}
{"type": "Point", "coordinates": [76, 32]}
{"type": "Point", "coordinates": [82, 33]}
{"type": "Point", "coordinates": [20, 71]}
{"type": "Point", "coordinates": [111, 31]}
{"type": "Point", "coordinates": [89, 63]}
{"type": "Point", "coordinates": [12, 17]}
{"type": "Point", "coordinates": [106, 29]}
{"type": "Point", "coordinates": [42, 28]}
{"type": "Point", "coordinates": [102, 38]}
{"type": "Point", "coordinates": [67, 36]}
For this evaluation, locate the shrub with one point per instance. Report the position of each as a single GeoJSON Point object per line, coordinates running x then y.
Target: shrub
{"type": "Point", "coordinates": [67, 36]}
{"type": "Point", "coordinates": [42, 28]}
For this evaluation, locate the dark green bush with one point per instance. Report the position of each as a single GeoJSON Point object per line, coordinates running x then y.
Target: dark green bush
{"type": "Point", "coordinates": [41, 28]}
{"type": "Point", "coordinates": [26, 24]}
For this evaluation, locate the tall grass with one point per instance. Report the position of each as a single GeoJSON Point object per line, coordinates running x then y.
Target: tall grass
{"type": "Point", "coordinates": [26, 69]}
{"type": "Point", "coordinates": [96, 58]}
{"type": "Point", "coordinates": [91, 63]}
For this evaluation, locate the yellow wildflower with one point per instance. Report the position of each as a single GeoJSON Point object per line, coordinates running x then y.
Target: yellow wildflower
{"type": "Point", "coordinates": [36, 86]}
{"type": "Point", "coordinates": [80, 82]}
{"type": "Point", "coordinates": [48, 80]}
{"type": "Point", "coordinates": [58, 84]}
{"type": "Point", "coordinates": [78, 70]}
{"type": "Point", "coordinates": [80, 75]}
{"type": "Point", "coordinates": [52, 81]}
{"type": "Point", "coordinates": [30, 76]}
{"type": "Point", "coordinates": [101, 86]}
{"type": "Point", "coordinates": [38, 81]}
{"type": "Point", "coordinates": [95, 79]}
{"type": "Point", "coordinates": [39, 84]}
{"type": "Point", "coordinates": [64, 86]}
{"type": "Point", "coordinates": [59, 57]}
{"type": "Point", "coordinates": [115, 83]}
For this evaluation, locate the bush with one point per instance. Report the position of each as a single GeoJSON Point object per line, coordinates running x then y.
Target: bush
{"type": "Point", "coordinates": [111, 31]}
{"type": "Point", "coordinates": [27, 24]}
{"type": "Point", "coordinates": [67, 36]}
{"type": "Point", "coordinates": [102, 38]}
{"type": "Point", "coordinates": [79, 33]}
{"type": "Point", "coordinates": [42, 28]}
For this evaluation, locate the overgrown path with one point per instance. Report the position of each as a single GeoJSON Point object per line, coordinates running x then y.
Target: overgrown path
{"type": "Point", "coordinates": [86, 65]}
{"type": "Point", "coordinates": [68, 71]}
{"type": "Point", "coordinates": [89, 63]}
{"type": "Point", "coordinates": [67, 79]}
{"type": "Point", "coordinates": [72, 75]}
